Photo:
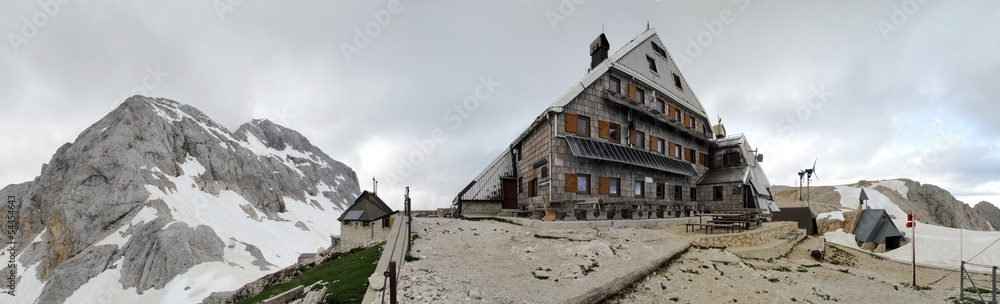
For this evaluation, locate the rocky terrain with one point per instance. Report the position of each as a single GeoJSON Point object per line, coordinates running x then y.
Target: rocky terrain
{"type": "Point", "coordinates": [155, 190]}
{"type": "Point", "coordinates": [930, 203]}
{"type": "Point", "coordinates": [989, 212]}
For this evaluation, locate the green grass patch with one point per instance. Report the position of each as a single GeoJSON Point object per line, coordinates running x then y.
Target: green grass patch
{"type": "Point", "coordinates": [346, 274]}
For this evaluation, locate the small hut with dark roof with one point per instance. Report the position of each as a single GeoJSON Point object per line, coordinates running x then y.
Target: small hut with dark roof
{"type": "Point", "coordinates": [367, 221]}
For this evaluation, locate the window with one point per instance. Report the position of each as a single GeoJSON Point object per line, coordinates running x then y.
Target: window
{"type": "Point", "coordinates": [613, 186]}
{"type": "Point", "coordinates": [677, 114]}
{"type": "Point", "coordinates": [583, 183]}
{"type": "Point", "coordinates": [533, 187]}
{"type": "Point", "coordinates": [583, 126]}
{"type": "Point", "coordinates": [691, 121]}
{"type": "Point", "coordinates": [678, 193]}
{"type": "Point", "coordinates": [520, 185]}
{"type": "Point", "coordinates": [694, 194]}
{"type": "Point", "coordinates": [717, 193]}
{"type": "Point", "coordinates": [640, 188]}
{"type": "Point", "coordinates": [661, 190]}
{"type": "Point", "coordinates": [677, 151]}
{"type": "Point", "coordinates": [703, 160]}
{"type": "Point", "coordinates": [639, 139]}
{"type": "Point", "coordinates": [545, 171]}
{"type": "Point", "coordinates": [640, 95]}
{"type": "Point", "coordinates": [385, 223]}
{"type": "Point", "coordinates": [731, 159]}
{"type": "Point", "coordinates": [659, 51]}
{"type": "Point", "coordinates": [692, 155]}
{"type": "Point", "coordinates": [652, 64]}
{"type": "Point", "coordinates": [615, 133]}
{"type": "Point", "coordinates": [615, 85]}
{"type": "Point", "coordinates": [677, 82]}
{"type": "Point", "coordinates": [659, 105]}
{"type": "Point", "coordinates": [659, 145]}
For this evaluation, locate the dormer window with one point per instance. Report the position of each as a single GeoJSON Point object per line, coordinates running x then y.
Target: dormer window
{"type": "Point", "coordinates": [652, 64]}
{"type": "Point", "coordinates": [659, 51]}
{"type": "Point", "coordinates": [677, 82]}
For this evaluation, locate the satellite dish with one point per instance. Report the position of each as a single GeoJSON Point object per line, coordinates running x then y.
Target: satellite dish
{"type": "Point", "coordinates": [760, 158]}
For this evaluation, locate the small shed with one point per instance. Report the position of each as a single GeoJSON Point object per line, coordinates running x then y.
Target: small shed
{"type": "Point", "coordinates": [875, 228]}
{"type": "Point", "coordinates": [367, 221]}
{"type": "Point", "coordinates": [801, 215]}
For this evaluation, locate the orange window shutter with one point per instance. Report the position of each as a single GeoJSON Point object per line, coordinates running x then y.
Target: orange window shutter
{"type": "Point", "coordinates": [570, 183]}
{"type": "Point", "coordinates": [604, 129]}
{"type": "Point", "coordinates": [652, 143]}
{"type": "Point", "coordinates": [672, 147]}
{"type": "Point", "coordinates": [604, 185]}
{"type": "Point", "coordinates": [673, 113]}
{"type": "Point", "coordinates": [632, 137]}
{"type": "Point", "coordinates": [687, 119]}
{"type": "Point", "coordinates": [631, 91]}
{"type": "Point", "coordinates": [571, 123]}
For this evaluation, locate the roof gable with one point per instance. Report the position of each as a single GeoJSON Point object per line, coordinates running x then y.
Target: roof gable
{"type": "Point", "coordinates": [368, 207]}
{"type": "Point", "coordinates": [634, 59]}
{"type": "Point", "coordinates": [874, 226]}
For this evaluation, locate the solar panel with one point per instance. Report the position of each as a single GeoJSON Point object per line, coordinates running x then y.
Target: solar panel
{"type": "Point", "coordinates": [353, 215]}
{"type": "Point", "coordinates": [587, 148]}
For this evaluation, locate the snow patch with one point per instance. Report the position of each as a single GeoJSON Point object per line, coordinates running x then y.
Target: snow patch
{"type": "Point", "coordinates": [876, 200]}
{"type": "Point", "coordinates": [896, 185]}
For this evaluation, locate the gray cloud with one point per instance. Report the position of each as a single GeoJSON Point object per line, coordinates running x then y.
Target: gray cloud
{"type": "Point", "coordinates": [891, 90]}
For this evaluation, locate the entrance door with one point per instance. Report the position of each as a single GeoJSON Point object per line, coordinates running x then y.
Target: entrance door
{"type": "Point", "coordinates": [509, 193]}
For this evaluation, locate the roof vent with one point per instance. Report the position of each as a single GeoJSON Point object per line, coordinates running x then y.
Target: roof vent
{"type": "Point", "coordinates": [599, 50]}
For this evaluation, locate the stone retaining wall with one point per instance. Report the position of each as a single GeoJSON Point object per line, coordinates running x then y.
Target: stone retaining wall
{"type": "Point", "coordinates": [767, 233]}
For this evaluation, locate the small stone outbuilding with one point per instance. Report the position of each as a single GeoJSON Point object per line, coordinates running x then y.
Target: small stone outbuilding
{"type": "Point", "coordinates": [876, 231]}
{"type": "Point", "coordinates": [367, 221]}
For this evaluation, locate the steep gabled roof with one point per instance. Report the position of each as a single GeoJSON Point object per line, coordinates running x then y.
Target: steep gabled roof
{"type": "Point", "coordinates": [874, 225]}
{"type": "Point", "coordinates": [368, 207]}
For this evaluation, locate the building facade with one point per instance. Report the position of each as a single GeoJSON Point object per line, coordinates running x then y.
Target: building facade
{"type": "Point", "coordinates": [365, 222]}
{"type": "Point", "coordinates": [631, 130]}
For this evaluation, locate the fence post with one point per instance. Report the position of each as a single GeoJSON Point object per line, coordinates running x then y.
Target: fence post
{"type": "Point", "coordinates": [409, 221]}
{"type": "Point", "coordinates": [994, 285]}
{"type": "Point", "coordinates": [391, 273]}
{"type": "Point", "coordinates": [961, 283]}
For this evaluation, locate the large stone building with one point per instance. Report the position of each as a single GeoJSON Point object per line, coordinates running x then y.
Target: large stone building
{"type": "Point", "coordinates": [630, 131]}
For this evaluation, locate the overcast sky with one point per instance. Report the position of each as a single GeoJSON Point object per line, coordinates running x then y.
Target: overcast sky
{"type": "Point", "coordinates": [872, 89]}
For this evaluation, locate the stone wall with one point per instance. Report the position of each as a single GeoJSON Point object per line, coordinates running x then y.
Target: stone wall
{"type": "Point", "coordinates": [358, 234]}
{"type": "Point", "coordinates": [483, 208]}
{"type": "Point", "coordinates": [535, 149]}
{"type": "Point", "coordinates": [767, 233]}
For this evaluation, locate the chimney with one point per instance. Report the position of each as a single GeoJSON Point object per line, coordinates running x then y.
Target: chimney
{"type": "Point", "coordinates": [599, 50]}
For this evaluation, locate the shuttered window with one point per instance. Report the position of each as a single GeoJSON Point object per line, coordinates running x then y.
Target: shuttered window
{"type": "Point", "coordinates": [570, 183]}
{"type": "Point", "coordinates": [631, 91]}
{"type": "Point", "coordinates": [571, 121]}
{"type": "Point", "coordinates": [603, 129]}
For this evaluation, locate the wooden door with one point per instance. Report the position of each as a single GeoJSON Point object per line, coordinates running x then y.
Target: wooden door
{"type": "Point", "coordinates": [509, 193]}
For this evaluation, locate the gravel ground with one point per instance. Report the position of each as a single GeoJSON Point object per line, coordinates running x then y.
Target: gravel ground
{"type": "Point", "coordinates": [847, 276]}
{"type": "Point", "coordinates": [462, 261]}
{"type": "Point", "coordinates": [486, 261]}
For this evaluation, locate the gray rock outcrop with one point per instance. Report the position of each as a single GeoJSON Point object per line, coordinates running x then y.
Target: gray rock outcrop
{"type": "Point", "coordinates": [96, 185]}
{"type": "Point", "coordinates": [990, 213]}
{"type": "Point", "coordinates": [944, 208]}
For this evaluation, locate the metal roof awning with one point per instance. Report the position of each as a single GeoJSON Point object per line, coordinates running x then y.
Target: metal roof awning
{"type": "Point", "coordinates": [760, 187]}
{"type": "Point", "coordinates": [588, 148]}
{"type": "Point", "coordinates": [772, 206]}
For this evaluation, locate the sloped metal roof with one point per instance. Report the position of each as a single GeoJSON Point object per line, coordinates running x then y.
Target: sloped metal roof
{"type": "Point", "coordinates": [724, 175]}
{"type": "Point", "coordinates": [588, 148]}
{"type": "Point", "coordinates": [874, 225]}
{"type": "Point", "coordinates": [370, 206]}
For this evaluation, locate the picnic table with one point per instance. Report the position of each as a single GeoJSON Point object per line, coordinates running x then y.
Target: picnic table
{"type": "Point", "coordinates": [745, 220]}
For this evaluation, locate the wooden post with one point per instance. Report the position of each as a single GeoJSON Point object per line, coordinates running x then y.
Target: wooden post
{"type": "Point", "coordinates": [409, 221]}
{"type": "Point", "coordinates": [913, 245]}
{"type": "Point", "coordinates": [392, 282]}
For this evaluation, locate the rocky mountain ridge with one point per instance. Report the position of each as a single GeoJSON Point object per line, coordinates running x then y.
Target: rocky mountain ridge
{"type": "Point", "coordinates": [156, 189]}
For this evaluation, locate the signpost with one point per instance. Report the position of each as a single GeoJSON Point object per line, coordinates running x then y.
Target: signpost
{"type": "Point", "coordinates": [911, 222]}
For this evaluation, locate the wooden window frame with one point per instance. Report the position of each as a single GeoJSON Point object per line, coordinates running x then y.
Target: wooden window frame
{"type": "Point", "coordinates": [717, 193]}
{"type": "Point", "coordinates": [652, 65]}
{"type": "Point", "coordinates": [678, 83]}
{"type": "Point", "coordinates": [640, 95]}
{"type": "Point", "coordinates": [678, 193]}
{"type": "Point", "coordinates": [694, 194]}
{"type": "Point", "coordinates": [586, 125]}
{"type": "Point", "coordinates": [639, 139]}
{"type": "Point", "coordinates": [609, 185]}
{"type": "Point", "coordinates": [659, 50]}
{"type": "Point", "coordinates": [617, 88]}
{"type": "Point", "coordinates": [661, 145]}
{"type": "Point", "coordinates": [661, 190]}
{"type": "Point", "coordinates": [641, 185]}
{"type": "Point", "coordinates": [660, 105]}
{"type": "Point", "coordinates": [678, 151]}
{"type": "Point", "coordinates": [615, 133]}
